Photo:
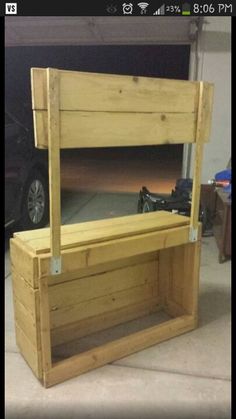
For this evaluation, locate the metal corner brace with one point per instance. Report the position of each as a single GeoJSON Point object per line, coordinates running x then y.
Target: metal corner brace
{"type": "Point", "coordinates": [55, 265]}
{"type": "Point", "coordinates": [193, 234]}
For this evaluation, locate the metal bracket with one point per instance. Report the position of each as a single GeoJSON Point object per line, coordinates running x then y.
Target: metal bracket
{"type": "Point", "coordinates": [193, 234]}
{"type": "Point", "coordinates": [55, 265]}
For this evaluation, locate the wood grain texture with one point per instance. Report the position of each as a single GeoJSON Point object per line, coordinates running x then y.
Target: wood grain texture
{"type": "Point", "coordinates": [83, 129]}
{"type": "Point", "coordinates": [97, 306]}
{"type": "Point", "coordinates": [102, 230]}
{"type": "Point", "coordinates": [87, 297]}
{"type": "Point", "coordinates": [27, 322]}
{"type": "Point", "coordinates": [106, 320]}
{"type": "Point", "coordinates": [30, 353]}
{"type": "Point", "coordinates": [115, 93]}
{"type": "Point", "coordinates": [179, 279]}
{"type": "Point", "coordinates": [191, 279]}
{"type": "Point", "coordinates": [101, 268]}
{"type": "Point", "coordinates": [103, 110]}
{"type": "Point", "coordinates": [45, 325]}
{"type": "Point", "coordinates": [112, 270]}
{"type": "Point", "coordinates": [114, 250]}
{"type": "Point", "coordinates": [117, 349]}
{"type": "Point", "coordinates": [26, 309]}
{"type": "Point", "coordinates": [206, 109]}
{"type": "Point", "coordinates": [53, 129]}
{"type": "Point", "coordinates": [204, 116]}
{"type": "Point", "coordinates": [98, 285]}
{"type": "Point", "coordinates": [25, 292]}
{"type": "Point", "coordinates": [24, 261]}
{"type": "Point", "coordinates": [159, 218]}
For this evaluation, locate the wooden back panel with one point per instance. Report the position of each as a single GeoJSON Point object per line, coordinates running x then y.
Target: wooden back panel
{"type": "Point", "coordinates": [103, 110]}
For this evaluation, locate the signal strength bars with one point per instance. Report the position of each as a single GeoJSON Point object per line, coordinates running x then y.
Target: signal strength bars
{"type": "Point", "coordinates": [160, 11]}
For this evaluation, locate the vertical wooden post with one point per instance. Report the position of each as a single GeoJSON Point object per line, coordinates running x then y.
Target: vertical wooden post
{"type": "Point", "coordinates": [45, 326]}
{"type": "Point", "coordinates": [54, 168]}
{"type": "Point", "coordinates": [197, 168]}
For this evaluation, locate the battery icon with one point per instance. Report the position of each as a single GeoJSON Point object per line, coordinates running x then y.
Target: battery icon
{"type": "Point", "coordinates": [186, 9]}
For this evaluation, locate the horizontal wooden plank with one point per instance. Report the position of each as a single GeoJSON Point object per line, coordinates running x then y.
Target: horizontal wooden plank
{"type": "Point", "coordinates": [159, 218]}
{"type": "Point", "coordinates": [30, 353]}
{"type": "Point", "coordinates": [27, 322]}
{"type": "Point", "coordinates": [119, 93]}
{"type": "Point", "coordinates": [69, 314]}
{"type": "Point", "coordinates": [85, 327]}
{"type": "Point", "coordinates": [113, 250]}
{"type": "Point", "coordinates": [27, 295]}
{"type": "Point", "coordinates": [83, 289]}
{"type": "Point", "coordinates": [101, 268]}
{"type": "Point", "coordinates": [102, 230]}
{"type": "Point", "coordinates": [26, 309]}
{"type": "Point", "coordinates": [24, 261]}
{"type": "Point", "coordinates": [80, 129]}
{"type": "Point", "coordinates": [117, 349]}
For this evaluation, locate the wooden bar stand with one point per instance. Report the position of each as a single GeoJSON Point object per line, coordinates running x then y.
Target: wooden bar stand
{"type": "Point", "coordinates": [75, 281]}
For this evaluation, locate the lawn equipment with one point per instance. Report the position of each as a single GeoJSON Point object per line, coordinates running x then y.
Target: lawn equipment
{"type": "Point", "coordinates": [179, 201]}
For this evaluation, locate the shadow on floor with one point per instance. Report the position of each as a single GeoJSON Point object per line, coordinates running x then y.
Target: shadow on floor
{"type": "Point", "coordinates": [213, 304]}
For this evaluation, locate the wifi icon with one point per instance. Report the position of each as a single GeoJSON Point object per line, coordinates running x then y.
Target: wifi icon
{"type": "Point", "coordinates": [143, 7]}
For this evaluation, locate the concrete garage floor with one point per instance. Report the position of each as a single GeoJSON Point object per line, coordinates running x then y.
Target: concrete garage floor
{"type": "Point", "coordinates": [185, 377]}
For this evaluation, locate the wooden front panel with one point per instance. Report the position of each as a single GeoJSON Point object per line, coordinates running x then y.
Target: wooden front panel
{"type": "Point", "coordinates": [113, 250]}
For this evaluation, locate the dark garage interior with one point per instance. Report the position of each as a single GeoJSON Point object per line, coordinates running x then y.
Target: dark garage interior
{"type": "Point", "coordinates": [91, 168]}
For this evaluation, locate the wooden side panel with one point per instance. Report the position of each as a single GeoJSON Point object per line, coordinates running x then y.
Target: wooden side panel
{"type": "Point", "coordinates": [26, 294]}
{"type": "Point", "coordinates": [27, 322]}
{"type": "Point", "coordinates": [89, 297]}
{"type": "Point", "coordinates": [24, 262]}
{"type": "Point", "coordinates": [179, 278]}
{"type": "Point", "coordinates": [177, 271]}
{"type": "Point", "coordinates": [191, 278]}
{"type": "Point", "coordinates": [115, 93]}
{"type": "Point", "coordinates": [39, 88]}
{"type": "Point", "coordinates": [81, 129]}
{"type": "Point", "coordinates": [29, 351]}
{"type": "Point", "coordinates": [171, 267]}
